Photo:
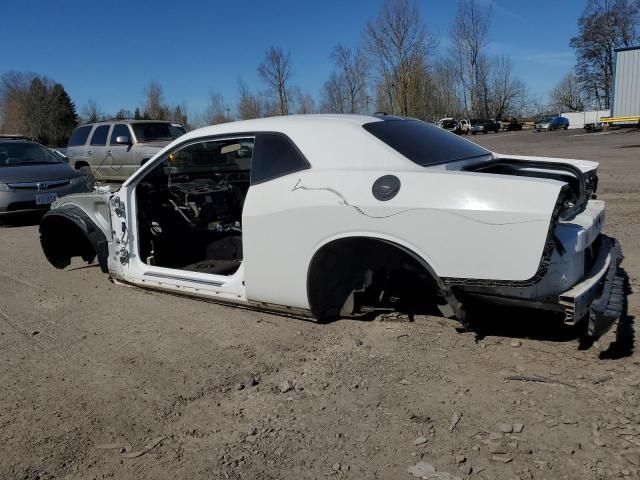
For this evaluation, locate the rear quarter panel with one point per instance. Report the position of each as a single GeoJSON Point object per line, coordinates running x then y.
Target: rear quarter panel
{"type": "Point", "coordinates": [464, 225]}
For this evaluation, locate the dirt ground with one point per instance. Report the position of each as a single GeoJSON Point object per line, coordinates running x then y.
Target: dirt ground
{"type": "Point", "coordinates": [102, 381]}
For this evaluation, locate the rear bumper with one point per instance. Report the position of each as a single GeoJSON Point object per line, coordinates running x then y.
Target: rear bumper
{"type": "Point", "coordinates": [600, 295]}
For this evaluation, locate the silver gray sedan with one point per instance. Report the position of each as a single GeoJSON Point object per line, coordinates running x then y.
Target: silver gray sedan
{"type": "Point", "coordinates": [32, 177]}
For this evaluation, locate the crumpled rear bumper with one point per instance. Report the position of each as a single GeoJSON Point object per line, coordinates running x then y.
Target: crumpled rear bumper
{"type": "Point", "coordinates": [601, 293]}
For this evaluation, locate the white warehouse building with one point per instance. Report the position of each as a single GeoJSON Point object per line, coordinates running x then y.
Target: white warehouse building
{"type": "Point", "coordinates": [626, 83]}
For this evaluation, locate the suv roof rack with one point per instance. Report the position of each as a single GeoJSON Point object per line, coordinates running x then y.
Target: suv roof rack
{"type": "Point", "coordinates": [113, 119]}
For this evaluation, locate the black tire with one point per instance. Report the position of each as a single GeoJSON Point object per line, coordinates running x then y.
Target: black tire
{"type": "Point", "coordinates": [473, 133]}
{"type": "Point", "coordinates": [566, 127]}
{"type": "Point", "coordinates": [88, 174]}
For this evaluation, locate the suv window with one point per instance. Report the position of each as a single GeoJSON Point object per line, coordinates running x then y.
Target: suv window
{"type": "Point", "coordinates": [275, 155]}
{"type": "Point", "coordinates": [422, 143]}
{"type": "Point", "coordinates": [156, 132]}
{"type": "Point", "coordinates": [79, 136]}
{"type": "Point", "coordinates": [119, 130]}
{"type": "Point", "coordinates": [100, 135]}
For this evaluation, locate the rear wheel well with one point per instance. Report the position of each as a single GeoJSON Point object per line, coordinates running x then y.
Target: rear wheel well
{"type": "Point", "coordinates": [359, 274]}
{"type": "Point", "coordinates": [62, 239]}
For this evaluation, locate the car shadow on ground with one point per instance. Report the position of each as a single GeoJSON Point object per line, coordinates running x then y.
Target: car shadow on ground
{"type": "Point", "coordinates": [539, 325]}
{"type": "Point", "coordinates": [21, 220]}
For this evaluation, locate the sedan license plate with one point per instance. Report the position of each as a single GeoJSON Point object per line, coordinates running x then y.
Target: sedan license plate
{"type": "Point", "coordinates": [46, 198]}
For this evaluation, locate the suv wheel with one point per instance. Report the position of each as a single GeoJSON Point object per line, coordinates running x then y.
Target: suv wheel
{"type": "Point", "coordinates": [88, 174]}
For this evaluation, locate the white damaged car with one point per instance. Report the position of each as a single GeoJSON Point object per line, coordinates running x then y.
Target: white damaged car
{"type": "Point", "coordinates": [339, 215]}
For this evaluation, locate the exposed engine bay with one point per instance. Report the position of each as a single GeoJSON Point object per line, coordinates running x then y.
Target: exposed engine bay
{"type": "Point", "coordinates": [192, 221]}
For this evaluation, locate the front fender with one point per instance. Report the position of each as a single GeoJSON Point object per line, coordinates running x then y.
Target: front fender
{"type": "Point", "coordinates": [68, 232]}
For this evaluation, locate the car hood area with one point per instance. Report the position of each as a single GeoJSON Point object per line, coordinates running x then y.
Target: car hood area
{"type": "Point", "coordinates": [40, 172]}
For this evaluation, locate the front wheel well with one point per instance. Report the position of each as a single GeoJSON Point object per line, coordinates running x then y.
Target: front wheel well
{"type": "Point", "coordinates": [79, 164]}
{"type": "Point", "coordinates": [358, 274]}
{"type": "Point", "coordinates": [62, 239]}
{"type": "Point", "coordinates": [68, 232]}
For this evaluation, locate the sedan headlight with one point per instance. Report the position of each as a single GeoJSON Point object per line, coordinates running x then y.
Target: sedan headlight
{"type": "Point", "coordinates": [5, 188]}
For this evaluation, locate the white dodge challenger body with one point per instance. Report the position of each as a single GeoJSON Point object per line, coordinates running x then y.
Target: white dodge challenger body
{"type": "Point", "coordinates": [339, 215]}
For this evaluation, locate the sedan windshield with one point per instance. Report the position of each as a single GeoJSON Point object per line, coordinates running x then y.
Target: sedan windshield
{"type": "Point", "coordinates": [422, 143]}
{"type": "Point", "coordinates": [26, 153]}
{"type": "Point", "coordinates": [157, 132]}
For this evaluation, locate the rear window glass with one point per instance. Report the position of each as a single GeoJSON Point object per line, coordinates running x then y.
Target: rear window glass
{"type": "Point", "coordinates": [423, 143]}
{"type": "Point", "coordinates": [100, 135]}
{"type": "Point", "coordinates": [79, 136]}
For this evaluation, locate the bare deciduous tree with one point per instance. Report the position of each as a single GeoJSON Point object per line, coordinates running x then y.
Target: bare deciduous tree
{"type": "Point", "coordinates": [217, 111]}
{"type": "Point", "coordinates": [33, 105]}
{"type": "Point", "coordinates": [567, 95]}
{"type": "Point", "coordinates": [275, 71]}
{"type": "Point", "coordinates": [469, 34]}
{"type": "Point", "coordinates": [352, 68]}
{"type": "Point", "coordinates": [154, 107]}
{"type": "Point", "coordinates": [506, 90]}
{"type": "Point", "coordinates": [304, 103]}
{"type": "Point", "coordinates": [445, 92]}
{"type": "Point", "coordinates": [334, 95]}
{"type": "Point", "coordinates": [179, 115]}
{"type": "Point", "coordinates": [397, 41]}
{"type": "Point", "coordinates": [604, 26]}
{"type": "Point", "coordinates": [92, 112]}
{"type": "Point", "coordinates": [249, 105]}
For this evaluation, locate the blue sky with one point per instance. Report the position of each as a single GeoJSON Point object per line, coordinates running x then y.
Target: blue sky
{"type": "Point", "coordinates": [109, 51]}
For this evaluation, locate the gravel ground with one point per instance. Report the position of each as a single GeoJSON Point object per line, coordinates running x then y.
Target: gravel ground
{"type": "Point", "coordinates": [101, 381]}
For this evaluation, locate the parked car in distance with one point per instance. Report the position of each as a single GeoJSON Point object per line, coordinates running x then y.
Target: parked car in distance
{"type": "Point", "coordinates": [484, 126]}
{"type": "Point", "coordinates": [33, 176]}
{"type": "Point", "coordinates": [114, 149]}
{"type": "Point", "coordinates": [328, 216]}
{"type": "Point", "coordinates": [464, 126]}
{"type": "Point", "coordinates": [461, 127]}
{"type": "Point", "coordinates": [593, 127]}
{"type": "Point", "coordinates": [513, 125]}
{"type": "Point", "coordinates": [553, 123]}
{"type": "Point", "coordinates": [449, 124]}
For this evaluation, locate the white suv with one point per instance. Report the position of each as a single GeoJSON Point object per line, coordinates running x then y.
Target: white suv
{"type": "Point", "coordinates": [114, 149]}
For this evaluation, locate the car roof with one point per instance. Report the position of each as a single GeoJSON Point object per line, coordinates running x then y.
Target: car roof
{"type": "Point", "coordinates": [288, 122]}
{"type": "Point", "coordinates": [126, 120]}
{"type": "Point", "coordinates": [325, 139]}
